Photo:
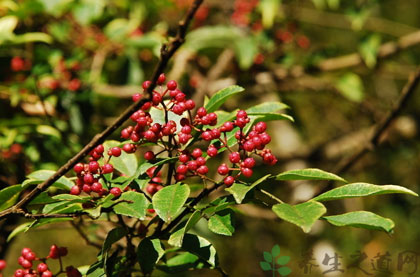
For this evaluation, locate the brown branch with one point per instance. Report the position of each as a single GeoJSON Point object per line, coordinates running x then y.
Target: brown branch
{"type": "Point", "coordinates": [407, 92]}
{"type": "Point", "coordinates": [166, 53]}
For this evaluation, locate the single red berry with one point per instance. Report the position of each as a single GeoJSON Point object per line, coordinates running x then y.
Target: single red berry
{"type": "Point", "coordinates": [42, 267]}
{"type": "Point", "coordinates": [116, 151]}
{"type": "Point", "coordinates": [146, 84]}
{"type": "Point", "coordinates": [26, 250]}
{"type": "Point", "coordinates": [156, 99]}
{"type": "Point", "coordinates": [78, 167]}
{"type": "Point", "coordinates": [227, 126]}
{"type": "Point", "coordinates": [62, 251]}
{"type": "Point", "coordinates": [212, 117]}
{"type": "Point", "coordinates": [182, 169]}
{"type": "Point", "coordinates": [203, 169]}
{"type": "Point", "coordinates": [223, 169]}
{"type": "Point", "coordinates": [99, 149]}
{"type": "Point", "coordinates": [234, 157]}
{"type": "Point", "coordinates": [93, 166]}
{"type": "Point", "coordinates": [192, 165]}
{"type": "Point", "coordinates": [149, 155]}
{"type": "Point", "coordinates": [125, 133]}
{"type": "Point", "coordinates": [72, 272]}
{"type": "Point", "coordinates": [159, 187]}
{"type": "Point", "coordinates": [215, 133]}
{"type": "Point", "coordinates": [196, 153]}
{"type": "Point", "coordinates": [3, 264]}
{"type": "Point", "coordinates": [96, 187]}
{"type": "Point", "coordinates": [74, 84]}
{"type": "Point", "coordinates": [136, 97]}
{"type": "Point", "coordinates": [17, 64]}
{"type": "Point", "coordinates": [149, 135]}
{"type": "Point", "coordinates": [54, 254]}
{"type": "Point", "coordinates": [146, 106]}
{"type": "Point", "coordinates": [151, 189]}
{"type": "Point", "coordinates": [201, 161]}
{"type": "Point", "coordinates": [207, 136]}
{"type": "Point", "coordinates": [48, 274]}
{"type": "Point", "coordinates": [201, 112]}
{"type": "Point", "coordinates": [88, 178]}
{"type": "Point", "coordinates": [229, 180]}
{"type": "Point", "coordinates": [241, 114]}
{"type": "Point", "coordinates": [115, 191]}
{"type": "Point", "coordinates": [129, 148]}
{"type": "Point", "coordinates": [75, 190]}
{"type": "Point", "coordinates": [19, 273]}
{"type": "Point", "coordinates": [249, 146]}
{"type": "Point", "coordinates": [161, 79]}
{"type": "Point", "coordinates": [260, 127]}
{"type": "Point", "coordinates": [171, 85]}
{"type": "Point", "coordinates": [247, 172]}
{"type": "Point", "coordinates": [249, 162]}
{"type": "Point", "coordinates": [240, 122]}
{"type": "Point", "coordinates": [265, 138]}
{"type": "Point", "coordinates": [190, 104]}
{"type": "Point", "coordinates": [179, 177]}
{"type": "Point", "coordinates": [180, 97]}
{"type": "Point", "coordinates": [186, 129]}
{"type": "Point", "coordinates": [183, 158]}
{"type": "Point", "coordinates": [30, 256]}
{"type": "Point", "coordinates": [26, 264]}
{"type": "Point", "coordinates": [212, 151]}
{"type": "Point", "coordinates": [86, 188]}
{"type": "Point", "coordinates": [107, 168]}
{"type": "Point", "coordinates": [177, 109]}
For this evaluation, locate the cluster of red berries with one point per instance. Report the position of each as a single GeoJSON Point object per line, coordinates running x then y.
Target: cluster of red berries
{"type": "Point", "coordinates": [28, 257]}
{"type": "Point", "coordinates": [242, 11]}
{"type": "Point", "coordinates": [88, 174]}
{"type": "Point", "coordinates": [192, 163]}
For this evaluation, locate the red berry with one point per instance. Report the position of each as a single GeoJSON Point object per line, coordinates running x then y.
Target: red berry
{"type": "Point", "coordinates": [203, 169]}
{"type": "Point", "coordinates": [215, 133]}
{"type": "Point", "coordinates": [42, 267]}
{"type": "Point", "coordinates": [241, 114]}
{"type": "Point", "coordinates": [116, 151]}
{"type": "Point", "coordinates": [156, 99]}
{"type": "Point", "coordinates": [151, 189]}
{"type": "Point", "coordinates": [229, 180]}
{"type": "Point", "coordinates": [129, 148]}
{"type": "Point", "coordinates": [265, 138]}
{"type": "Point", "coordinates": [74, 84]}
{"type": "Point", "coordinates": [17, 64]}
{"type": "Point", "coordinates": [179, 177]}
{"type": "Point", "coordinates": [247, 172]}
{"type": "Point", "coordinates": [192, 165]}
{"type": "Point", "coordinates": [78, 167]}
{"type": "Point", "coordinates": [30, 256]}
{"type": "Point", "coordinates": [201, 161]}
{"type": "Point", "coordinates": [177, 109]}
{"type": "Point", "coordinates": [249, 162]}
{"type": "Point", "coordinates": [207, 136]}
{"type": "Point", "coordinates": [182, 169]}
{"type": "Point", "coordinates": [190, 104]}
{"type": "Point", "coordinates": [75, 190]}
{"type": "Point", "coordinates": [88, 178]}
{"type": "Point", "coordinates": [93, 166]}
{"type": "Point", "coordinates": [146, 84]}
{"type": "Point", "coordinates": [180, 97]}
{"type": "Point", "coordinates": [161, 79]}
{"type": "Point", "coordinates": [96, 187]}
{"type": "Point", "coordinates": [62, 251]}
{"type": "Point", "coordinates": [212, 151]}
{"type": "Point", "coordinates": [19, 273]}
{"type": "Point", "coordinates": [149, 155]}
{"type": "Point", "coordinates": [107, 168]}
{"type": "Point", "coordinates": [48, 274]}
{"type": "Point", "coordinates": [201, 112]}
{"type": "Point", "coordinates": [183, 158]}
{"type": "Point", "coordinates": [240, 122]}
{"type": "Point", "coordinates": [171, 85]}
{"type": "Point", "coordinates": [26, 264]}
{"type": "Point", "coordinates": [149, 135]}
{"type": "Point", "coordinates": [86, 188]}
{"type": "Point", "coordinates": [99, 149]}
{"type": "Point", "coordinates": [72, 272]}
{"type": "Point", "coordinates": [115, 191]}
{"type": "Point", "coordinates": [223, 169]}
{"type": "Point", "coordinates": [196, 153]}
{"type": "Point", "coordinates": [234, 157]}
{"type": "Point", "coordinates": [136, 97]}
{"type": "Point", "coordinates": [54, 254]}
{"type": "Point", "coordinates": [260, 127]}
{"type": "Point", "coordinates": [3, 264]}
{"type": "Point", "coordinates": [186, 129]}
{"type": "Point", "coordinates": [249, 146]}
{"type": "Point", "coordinates": [227, 127]}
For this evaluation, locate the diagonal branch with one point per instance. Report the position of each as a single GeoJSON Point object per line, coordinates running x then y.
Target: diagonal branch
{"type": "Point", "coordinates": [168, 50]}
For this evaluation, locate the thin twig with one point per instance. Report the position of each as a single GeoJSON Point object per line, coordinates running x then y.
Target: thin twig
{"type": "Point", "coordinates": [166, 53]}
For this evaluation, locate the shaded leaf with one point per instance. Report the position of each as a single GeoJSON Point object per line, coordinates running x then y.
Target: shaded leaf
{"type": "Point", "coordinates": [362, 219]}
{"type": "Point", "coordinates": [201, 248]}
{"type": "Point", "coordinates": [113, 236]}
{"type": "Point", "coordinates": [275, 251]}
{"type": "Point", "coordinates": [303, 215]}
{"type": "Point", "coordinates": [268, 257]}
{"type": "Point", "coordinates": [149, 253]}
{"type": "Point", "coordinates": [239, 191]}
{"type": "Point", "coordinates": [9, 196]}
{"type": "Point", "coordinates": [265, 266]}
{"type": "Point", "coordinates": [283, 260]}
{"type": "Point", "coordinates": [39, 176]}
{"type": "Point", "coordinates": [360, 190]}
{"type": "Point", "coordinates": [135, 209]}
{"type": "Point", "coordinates": [351, 86]}
{"type": "Point", "coordinates": [176, 237]}
{"type": "Point", "coordinates": [308, 174]}
{"type": "Point", "coordinates": [284, 271]}
{"type": "Point", "coordinates": [222, 223]}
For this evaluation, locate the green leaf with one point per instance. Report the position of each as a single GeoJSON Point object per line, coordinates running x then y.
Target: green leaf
{"type": "Point", "coordinates": [269, 10]}
{"type": "Point", "coordinates": [177, 237]}
{"type": "Point", "coordinates": [201, 248]}
{"type": "Point", "coordinates": [350, 86]}
{"type": "Point", "coordinates": [39, 176]}
{"type": "Point", "coordinates": [362, 219]}
{"type": "Point", "coordinates": [180, 263]}
{"type": "Point", "coordinates": [126, 163]}
{"type": "Point", "coordinates": [268, 257]}
{"type": "Point", "coordinates": [42, 198]}
{"type": "Point", "coordinates": [283, 260]}
{"type": "Point", "coordinates": [32, 37]}
{"type": "Point", "coordinates": [9, 196]}
{"type": "Point", "coordinates": [246, 48]}
{"type": "Point", "coordinates": [21, 228]}
{"type": "Point", "coordinates": [284, 271]}
{"type": "Point", "coordinates": [308, 174]}
{"type": "Point", "coordinates": [265, 266]}
{"type": "Point", "coordinates": [303, 215]}
{"type": "Point", "coordinates": [267, 107]}
{"type": "Point", "coordinates": [135, 209]}
{"type": "Point", "coordinates": [113, 236]}
{"type": "Point", "coordinates": [275, 251]}
{"type": "Point", "coordinates": [271, 117]}
{"type": "Point", "coordinates": [35, 224]}
{"type": "Point", "coordinates": [239, 191]}
{"type": "Point", "coordinates": [369, 49]}
{"type": "Point", "coordinates": [212, 36]}
{"type": "Point", "coordinates": [149, 253]}
{"type": "Point", "coordinates": [222, 223]}
{"type": "Point", "coordinates": [360, 190]}
{"type": "Point", "coordinates": [221, 96]}
{"type": "Point", "coordinates": [168, 201]}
